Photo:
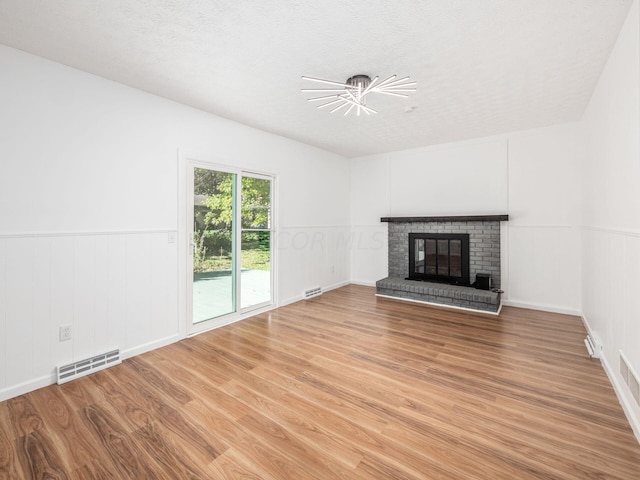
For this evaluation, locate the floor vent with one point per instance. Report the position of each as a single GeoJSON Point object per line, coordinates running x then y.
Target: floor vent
{"type": "Point", "coordinates": [594, 346]}
{"type": "Point", "coordinates": [313, 292]}
{"type": "Point", "coordinates": [81, 368]}
{"type": "Point", "coordinates": [630, 378]}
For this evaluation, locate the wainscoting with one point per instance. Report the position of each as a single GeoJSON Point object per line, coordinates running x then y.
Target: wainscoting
{"type": "Point", "coordinates": [611, 304]}
{"type": "Point", "coordinates": [116, 289]}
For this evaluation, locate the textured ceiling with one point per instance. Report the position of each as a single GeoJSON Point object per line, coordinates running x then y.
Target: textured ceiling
{"type": "Point", "coordinates": [483, 67]}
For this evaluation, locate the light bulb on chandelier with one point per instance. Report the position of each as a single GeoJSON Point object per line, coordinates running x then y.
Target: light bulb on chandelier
{"type": "Point", "coordinates": [352, 94]}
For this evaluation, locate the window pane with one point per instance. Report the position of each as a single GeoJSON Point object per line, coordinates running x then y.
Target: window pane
{"type": "Point", "coordinates": [256, 203]}
{"type": "Point", "coordinates": [431, 256]}
{"type": "Point", "coordinates": [255, 278]}
{"type": "Point", "coordinates": [443, 257]}
{"type": "Point", "coordinates": [419, 256]}
{"type": "Point", "coordinates": [213, 279]}
{"type": "Point", "coordinates": [455, 258]}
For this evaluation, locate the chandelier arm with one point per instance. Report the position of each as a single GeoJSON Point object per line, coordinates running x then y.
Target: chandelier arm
{"type": "Point", "coordinates": [364, 107]}
{"type": "Point", "coordinates": [354, 98]}
{"type": "Point", "coordinates": [324, 97]}
{"type": "Point", "coordinates": [322, 90]}
{"type": "Point", "coordinates": [394, 82]}
{"type": "Point", "coordinates": [345, 103]}
{"type": "Point", "coordinates": [397, 90]}
{"type": "Point", "coordinates": [370, 86]}
{"type": "Point", "coordinates": [386, 81]}
{"type": "Point", "coordinates": [329, 82]}
{"type": "Point", "coordinates": [349, 109]}
{"type": "Point", "coordinates": [394, 94]}
{"type": "Point", "coordinates": [331, 103]}
{"type": "Point", "coordinates": [403, 85]}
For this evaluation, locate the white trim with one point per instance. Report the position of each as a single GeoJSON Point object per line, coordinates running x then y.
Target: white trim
{"type": "Point", "coordinates": [188, 163]}
{"type": "Point", "coordinates": [454, 307]}
{"type": "Point", "coordinates": [85, 233]}
{"type": "Point", "coordinates": [622, 398]}
{"type": "Point", "coordinates": [300, 297]}
{"type": "Point", "coordinates": [236, 245]}
{"type": "Point", "coordinates": [614, 231]}
{"type": "Point", "coordinates": [382, 225]}
{"type": "Point", "coordinates": [625, 399]}
{"type": "Point", "coordinates": [183, 241]}
{"type": "Point", "coordinates": [311, 227]}
{"type": "Point", "coordinates": [541, 307]}
{"type": "Point", "coordinates": [46, 380]}
{"type": "Point", "coordinates": [225, 320]}
{"type": "Point", "coordinates": [364, 283]}
{"type": "Point", "coordinates": [28, 386]}
{"type": "Point", "coordinates": [539, 225]}
{"type": "Point", "coordinates": [149, 346]}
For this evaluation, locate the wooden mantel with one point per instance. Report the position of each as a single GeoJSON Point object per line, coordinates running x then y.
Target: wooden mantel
{"type": "Point", "coordinates": [450, 218]}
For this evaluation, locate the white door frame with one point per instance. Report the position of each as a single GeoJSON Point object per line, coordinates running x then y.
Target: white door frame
{"type": "Point", "coordinates": [186, 165]}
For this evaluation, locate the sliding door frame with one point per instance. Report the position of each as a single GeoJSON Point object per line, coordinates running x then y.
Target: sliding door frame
{"type": "Point", "coordinates": [187, 166]}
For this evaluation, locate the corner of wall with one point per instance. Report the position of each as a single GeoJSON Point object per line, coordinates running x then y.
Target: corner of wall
{"type": "Point", "coordinates": [624, 395]}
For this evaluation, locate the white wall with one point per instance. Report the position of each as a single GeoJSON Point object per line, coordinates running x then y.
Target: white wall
{"type": "Point", "coordinates": [455, 179]}
{"type": "Point", "coordinates": [543, 237]}
{"type": "Point", "coordinates": [611, 214]}
{"type": "Point", "coordinates": [533, 176]}
{"type": "Point", "coordinates": [88, 194]}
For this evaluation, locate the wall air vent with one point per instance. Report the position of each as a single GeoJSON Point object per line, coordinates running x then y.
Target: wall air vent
{"type": "Point", "coordinates": [630, 378]}
{"type": "Point", "coordinates": [313, 292]}
{"type": "Point", "coordinates": [81, 368]}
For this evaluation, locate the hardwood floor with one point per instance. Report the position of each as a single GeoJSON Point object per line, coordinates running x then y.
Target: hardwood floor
{"type": "Point", "coordinates": [344, 386]}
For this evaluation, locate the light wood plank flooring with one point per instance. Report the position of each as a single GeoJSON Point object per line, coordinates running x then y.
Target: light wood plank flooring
{"type": "Point", "coordinates": [344, 386]}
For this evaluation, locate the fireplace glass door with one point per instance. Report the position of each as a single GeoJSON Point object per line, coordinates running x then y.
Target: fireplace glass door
{"type": "Point", "coordinates": [439, 257]}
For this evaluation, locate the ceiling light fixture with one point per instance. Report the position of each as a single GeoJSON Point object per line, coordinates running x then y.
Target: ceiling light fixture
{"type": "Point", "coordinates": [353, 93]}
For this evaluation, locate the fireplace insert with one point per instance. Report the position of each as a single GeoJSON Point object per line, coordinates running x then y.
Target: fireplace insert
{"type": "Point", "coordinates": [439, 257]}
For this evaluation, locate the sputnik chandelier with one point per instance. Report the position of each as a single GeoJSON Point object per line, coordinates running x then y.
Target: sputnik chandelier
{"type": "Point", "coordinates": [352, 95]}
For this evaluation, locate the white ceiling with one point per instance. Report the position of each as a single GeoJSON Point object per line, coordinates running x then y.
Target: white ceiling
{"type": "Point", "coordinates": [483, 67]}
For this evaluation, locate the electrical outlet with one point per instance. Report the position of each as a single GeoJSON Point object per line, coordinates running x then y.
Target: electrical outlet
{"type": "Point", "coordinates": [172, 237]}
{"type": "Point", "coordinates": [65, 332]}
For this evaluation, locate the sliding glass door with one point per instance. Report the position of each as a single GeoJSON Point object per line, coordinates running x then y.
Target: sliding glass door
{"type": "Point", "coordinates": [255, 241]}
{"type": "Point", "coordinates": [231, 249]}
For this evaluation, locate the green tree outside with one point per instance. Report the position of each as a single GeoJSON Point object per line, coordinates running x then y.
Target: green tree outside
{"type": "Point", "coordinates": [213, 216]}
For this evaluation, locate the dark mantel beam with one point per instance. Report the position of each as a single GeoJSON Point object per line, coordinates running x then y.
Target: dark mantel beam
{"type": "Point", "coordinates": [450, 218]}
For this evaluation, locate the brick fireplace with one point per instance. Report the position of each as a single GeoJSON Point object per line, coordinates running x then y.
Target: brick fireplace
{"type": "Point", "coordinates": [436, 241]}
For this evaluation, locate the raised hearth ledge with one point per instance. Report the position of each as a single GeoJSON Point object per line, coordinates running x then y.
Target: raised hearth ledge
{"type": "Point", "coordinates": [441, 305]}
{"type": "Point", "coordinates": [440, 294]}
{"type": "Point", "coordinates": [451, 218]}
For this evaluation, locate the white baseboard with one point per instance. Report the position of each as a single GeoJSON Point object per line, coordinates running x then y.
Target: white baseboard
{"type": "Point", "coordinates": [300, 297]}
{"type": "Point", "coordinates": [622, 392]}
{"type": "Point", "coordinates": [540, 306]}
{"type": "Point", "coordinates": [26, 387]}
{"type": "Point", "coordinates": [289, 301]}
{"type": "Point", "coordinates": [364, 283]}
{"type": "Point", "coordinates": [336, 285]}
{"type": "Point", "coordinates": [624, 399]}
{"type": "Point", "coordinates": [46, 380]}
{"type": "Point", "coordinates": [147, 347]}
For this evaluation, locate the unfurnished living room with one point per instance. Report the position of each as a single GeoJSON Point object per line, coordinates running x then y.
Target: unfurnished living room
{"type": "Point", "coordinates": [314, 240]}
